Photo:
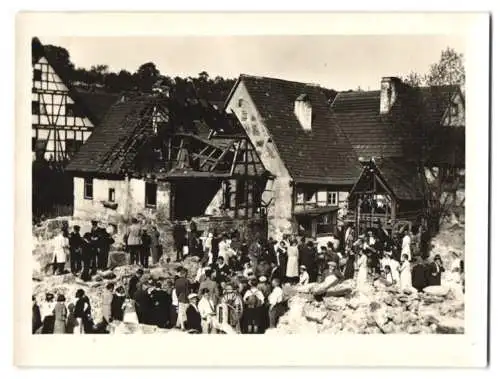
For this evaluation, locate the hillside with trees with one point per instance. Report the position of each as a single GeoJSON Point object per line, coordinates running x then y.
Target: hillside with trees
{"type": "Point", "coordinates": [100, 78]}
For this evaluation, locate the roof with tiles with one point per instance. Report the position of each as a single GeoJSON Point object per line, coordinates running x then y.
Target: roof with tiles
{"type": "Point", "coordinates": [321, 155]}
{"type": "Point", "coordinates": [403, 178]}
{"type": "Point", "coordinates": [389, 135]}
{"type": "Point", "coordinates": [113, 146]}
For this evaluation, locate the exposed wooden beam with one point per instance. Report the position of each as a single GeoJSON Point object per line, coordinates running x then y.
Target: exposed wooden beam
{"type": "Point", "coordinates": [233, 165]}
{"type": "Point", "coordinates": [208, 158]}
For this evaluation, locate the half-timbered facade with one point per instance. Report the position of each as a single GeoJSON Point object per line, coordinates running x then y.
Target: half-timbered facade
{"type": "Point", "coordinates": [62, 116]}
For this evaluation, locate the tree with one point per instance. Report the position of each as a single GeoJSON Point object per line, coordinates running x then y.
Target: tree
{"type": "Point", "coordinates": [444, 179]}
{"type": "Point", "coordinates": [146, 76]}
{"type": "Point", "coordinates": [414, 79]}
{"type": "Point", "coordinates": [449, 70]}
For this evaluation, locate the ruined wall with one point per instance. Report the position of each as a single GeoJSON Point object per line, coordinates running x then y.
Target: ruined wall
{"type": "Point", "coordinates": [130, 198]}
{"type": "Point", "coordinates": [280, 209]}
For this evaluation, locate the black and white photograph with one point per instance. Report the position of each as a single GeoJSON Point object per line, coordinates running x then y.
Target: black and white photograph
{"type": "Point", "coordinates": [249, 184]}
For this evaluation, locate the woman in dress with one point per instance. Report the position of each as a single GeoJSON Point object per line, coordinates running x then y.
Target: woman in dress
{"type": "Point", "coordinates": [72, 326]}
{"type": "Point", "coordinates": [405, 272]}
{"type": "Point", "coordinates": [83, 312]}
{"type": "Point", "coordinates": [362, 279]}
{"type": "Point", "coordinates": [292, 263]}
{"type": "Point", "coordinates": [60, 315]}
{"type": "Point", "coordinates": [129, 313]}
{"type": "Point", "coordinates": [47, 313]}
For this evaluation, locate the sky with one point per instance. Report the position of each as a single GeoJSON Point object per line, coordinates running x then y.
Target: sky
{"type": "Point", "coordinates": [340, 62]}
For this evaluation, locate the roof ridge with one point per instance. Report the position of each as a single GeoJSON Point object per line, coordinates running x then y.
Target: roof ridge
{"type": "Point", "coordinates": [280, 80]}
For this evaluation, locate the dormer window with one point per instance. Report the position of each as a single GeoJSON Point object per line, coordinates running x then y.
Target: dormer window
{"type": "Point", "coordinates": [454, 109]}
{"type": "Point", "coordinates": [240, 103]}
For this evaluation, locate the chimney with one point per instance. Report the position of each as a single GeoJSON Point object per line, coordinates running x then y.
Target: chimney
{"type": "Point", "coordinates": [303, 111]}
{"type": "Point", "coordinates": [389, 89]}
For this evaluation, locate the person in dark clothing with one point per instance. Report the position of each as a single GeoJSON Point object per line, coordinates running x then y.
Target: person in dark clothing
{"type": "Point", "coordinates": [143, 306]}
{"type": "Point", "coordinates": [156, 248]}
{"type": "Point", "coordinates": [75, 250]}
{"type": "Point", "coordinates": [182, 291]}
{"type": "Point", "coordinates": [105, 242]}
{"type": "Point", "coordinates": [349, 266]}
{"type": "Point", "coordinates": [435, 271]}
{"type": "Point", "coordinates": [215, 246]}
{"type": "Point", "coordinates": [162, 302]}
{"type": "Point", "coordinates": [307, 259]}
{"type": "Point", "coordinates": [145, 248]}
{"type": "Point", "coordinates": [94, 245]}
{"type": "Point", "coordinates": [83, 311]}
{"type": "Point", "coordinates": [117, 304]}
{"type": "Point", "coordinates": [419, 275]}
{"type": "Point", "coordinates": [321, 267]}
{"type": "Point", "coordinates": [222, 270]}
{"type": "Point", "coordinates": [36, 319]}
{"type": "Point", "coordinates": [87, 254]}
{"type": "Point", "coordinates": [263, 269]}
{"type": "Point", "coordinates": [193, 317]}
{"type": "Point", "coordinates": [133, 282]}
{"type": "Point", "coordinates": [179, 234]}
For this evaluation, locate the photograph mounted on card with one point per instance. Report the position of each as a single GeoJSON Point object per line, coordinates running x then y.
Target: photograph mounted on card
{"type": "Point", "coordinates": [252, 186]}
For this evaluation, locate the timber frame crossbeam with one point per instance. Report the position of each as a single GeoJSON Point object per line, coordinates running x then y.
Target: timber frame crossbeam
{"type": "Point", "coordinates": [235, 157]}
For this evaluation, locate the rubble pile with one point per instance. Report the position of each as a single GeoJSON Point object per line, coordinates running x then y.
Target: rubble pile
{"type": "Point", "coordinates": [379, 309]}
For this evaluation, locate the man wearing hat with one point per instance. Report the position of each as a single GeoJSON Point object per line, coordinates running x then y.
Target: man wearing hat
{"type": "Point", "coordinates": [435, 270]}
{"type": "Point", "coordinates": [193, 317]}
{"type": "Point", "coordinates": [264, 286]}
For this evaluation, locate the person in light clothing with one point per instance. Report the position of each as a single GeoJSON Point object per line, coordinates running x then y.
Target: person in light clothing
{"type": "Point", "coordinates": [362, 263]}
{"type": "Point", "coordinates": [406, 245]}
{"type": "Point", "coordinates": [206, 307]}
{"type": "Point", "coordinates": [304, 276]}
{"type": "Point", "coordinates": [405, 273]}
{"type": "Point", "coordinates": [61, 246]}
{"type": "Point", "coordinates": [275, 300]}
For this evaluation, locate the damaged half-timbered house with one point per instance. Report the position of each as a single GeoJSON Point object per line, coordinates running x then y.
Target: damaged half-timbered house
{"type": "Point", "coordinates": [168, 158]}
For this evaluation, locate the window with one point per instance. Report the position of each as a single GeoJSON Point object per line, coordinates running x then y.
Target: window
{"type": "Point", "coordinates": [454, 109]}
{"type": "Point", "coordinates": [35, 107]}
{"type": "Point", "coordinates": [299, 198]}
{"type": "Point", "coordinates": [111, 195]}
{"type": "Point", "coordinates": [331, 198]}
{"type": "Point", "coordinates": [240, 192]}
{"type": "Point", "coordinates": [88, 190]}
{"type": "Point", "coordinates": [325, 224]}
{"type": "Point", "coordinates": [244, 115]}
{"type": "Point", "coordinates": [37, 75]}
{"type": "Point", "coordinates": [151, 189]}
{"type": "Point", "coordinates": [240, 103]}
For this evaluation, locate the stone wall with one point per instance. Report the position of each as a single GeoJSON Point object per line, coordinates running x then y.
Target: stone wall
{"type": "Point", "coordinates": [130, 198]}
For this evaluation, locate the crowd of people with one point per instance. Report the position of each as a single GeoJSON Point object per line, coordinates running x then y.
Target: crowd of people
{"type": "Point", "coordinates": [245, 277]}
